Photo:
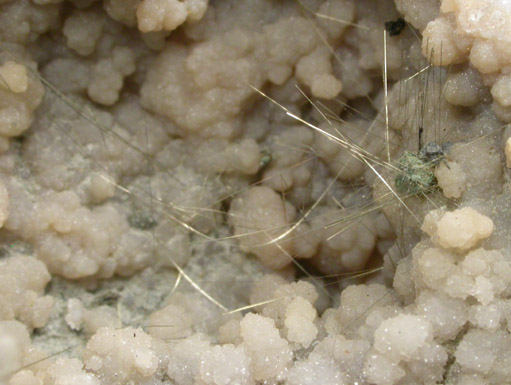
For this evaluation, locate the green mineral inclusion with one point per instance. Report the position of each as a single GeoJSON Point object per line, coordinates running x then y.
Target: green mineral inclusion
{"type": "Point", "coordinates": [416, 175]}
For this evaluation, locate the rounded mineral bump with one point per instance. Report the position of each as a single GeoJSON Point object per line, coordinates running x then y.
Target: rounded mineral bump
{"type": "Point", "coordinates": [14, 343]}
{"type": "Point", "coordinates": [379, 369]}
{"type": "Point", "coordinates": [477, 350]}
{"type": "Point", "coordinates": [24, 377]}
{"type": "Point", "coordinates": [435, 265]}
{"type": "Point", "coordinates": [13, 77]}
{"type": "Point", "coordinates": [462, 229]}
{"type": "Point", "coordinates": [446, 315]}
{"type": "Point", "coordinates": [269, 353]}
{"type": "Point", "coordinates": [186, 357]}
{"type": "Point", "coordinates": [451, 179]}
{"type": "Point", "coordinates": [299, 321]}
{"type": "Point", "coordinates": [119, 355]}
{"type": "Point", "coordinates": [225, 365]}
{"type": "Point", "coordinates": [258, 216]}
{"type": "Point", "coordinates": [69, 371]}
{"type": "Point", "coordinates": [157, 15]}
{"type": "Point", "coordinates": [401, 337]}
{"type": "Point", "coordinates": [101, 188]}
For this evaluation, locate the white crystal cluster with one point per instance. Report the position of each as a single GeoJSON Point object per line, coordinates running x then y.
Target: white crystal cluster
{"type": "Point", "coordinates": [185, 186]}
{"type": "Point", "coordinates": [450, 301]}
